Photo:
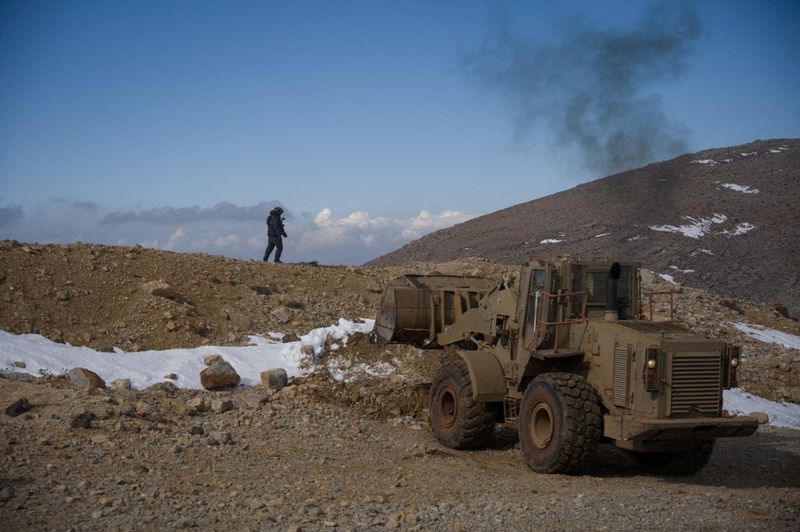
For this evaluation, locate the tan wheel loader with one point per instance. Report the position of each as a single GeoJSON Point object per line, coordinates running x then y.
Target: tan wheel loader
{"type": "Point", "coordinates": [566, 354]}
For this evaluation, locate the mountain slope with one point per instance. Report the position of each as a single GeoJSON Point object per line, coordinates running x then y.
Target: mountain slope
{"type": "Point", "coordinates": [724, 219]}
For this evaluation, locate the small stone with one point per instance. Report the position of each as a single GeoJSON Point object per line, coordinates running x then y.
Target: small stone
{"type": "Point", "coordinates": [197, 404]}
{"type": "Point", "coordinates": [307, 350]}
{"type": "Point", "coordinates": [210, 359]}
{"type": "Point", "coordinates": [171, 326]}
{"type": "Point", "coordinates": [219, 375]}
{"type": "Point", "coordinates": [20, 406]}
{"type": "Point", "coordinates": [84, 378]}
{"type": "Point", "coordinates": [196, 431]}
{"type": "Point", "coordinates": [143, 409]}
{"type": "Point", "coordinates": [81, 421]}
{"type": "Point", "coordinates": [282, 314]}
{"type": "Point", "coordinates": [290, 337]}
{"type": "Point", "coordinates": [18, 364]}
{"type": "Point", "coordinates": [218, 437]}
{"type": "Point", "coordinates": [6, 494]}
{"type": "Point", "coordinates": [177, 449]}
{"type": "Point", "coordinates": [255, 504]}
{"type": "Point", "coordinates": [274, 379]}
{"type": "Point", "coordinates": [221, 405]}
{"type": "Point", "coordinates": [171, 376]}
{"type": "Point", "coordinates": [63, 295]}
{"type": "Point", "coordinates": [121, 384]}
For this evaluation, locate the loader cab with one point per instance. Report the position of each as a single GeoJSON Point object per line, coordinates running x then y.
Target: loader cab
{"type": "Point", "coordinates": [558, 293]}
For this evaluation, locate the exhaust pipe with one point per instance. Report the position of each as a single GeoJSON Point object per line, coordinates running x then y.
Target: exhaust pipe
{"type": "Point", "coordinates": [612, 301]}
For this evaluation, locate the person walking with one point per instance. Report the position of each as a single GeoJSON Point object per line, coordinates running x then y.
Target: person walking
{"type": "Point", "coordinates": [275, 234]}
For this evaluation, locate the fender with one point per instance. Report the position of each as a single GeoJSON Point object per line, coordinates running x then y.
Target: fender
{"type": "Point", "coordinates": [486, 375]}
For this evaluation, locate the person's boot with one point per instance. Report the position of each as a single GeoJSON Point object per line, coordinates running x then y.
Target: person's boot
{"type": "Point", "coordinates": [278, 261]}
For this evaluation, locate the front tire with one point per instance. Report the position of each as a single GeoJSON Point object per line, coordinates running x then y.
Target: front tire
{"type": "Point", "coordinates": [559, 423]}
{"type": "Point", "coordinates": [456, 419]}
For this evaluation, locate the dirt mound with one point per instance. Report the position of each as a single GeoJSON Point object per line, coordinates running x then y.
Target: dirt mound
{"type": "Point", "coordinates": [137, 298]}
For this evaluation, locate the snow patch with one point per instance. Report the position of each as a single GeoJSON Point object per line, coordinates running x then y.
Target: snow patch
{"type": "Point", "coordinates": [681, 271]}
{"type": "Point", "coordinates": [637, 237]}
{"type": "Point", "coordinates": [550, 241]}
{"type": "Point", "coordinates": [711, 162]}
{"type": "Point", "coordinates": [695, 229]}
{"type": "Point", "coordinates": [698, 251]}
{"type": "Point", "coordinates": [748, 153]}
{"type": "Point", "coordinates": [601, 235]}
{"type": "Point", "coordinates": [770, 336]}
{"type": "Point", "coordinates": [740, 229]}
{"type": "Point", "coordinates": [745, 189]}
{"type": "Point", "coordinates": [143, 368]}
{"type": "Point", "coordinates": [668, 278]}
{"type": "Point", "coordinates": [738, 402]}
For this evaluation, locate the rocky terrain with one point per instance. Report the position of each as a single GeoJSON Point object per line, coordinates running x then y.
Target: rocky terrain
{"type": "Point", "coordinates": [322, 452]}
{"type": "Point", "coordinates": [722, 219]}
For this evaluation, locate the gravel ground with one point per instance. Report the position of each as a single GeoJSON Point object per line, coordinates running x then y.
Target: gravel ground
{"type": "Point", "coordinates": [294, 462]}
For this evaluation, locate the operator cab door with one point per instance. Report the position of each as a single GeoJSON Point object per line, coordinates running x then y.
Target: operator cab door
{"type": "Point", "coordinates": [537, 282]}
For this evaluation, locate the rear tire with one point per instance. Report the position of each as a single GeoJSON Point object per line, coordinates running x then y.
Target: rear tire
{"type": "Point", "coordinates": [680, 463]}
{"type": "Point", "coordinates": [456, 419]}
{"type": "Point", "coordinates": [559, 423]}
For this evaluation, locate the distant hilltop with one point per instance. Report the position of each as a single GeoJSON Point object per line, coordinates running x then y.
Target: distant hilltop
{"type": "Point", "coordinates": [724, 219]}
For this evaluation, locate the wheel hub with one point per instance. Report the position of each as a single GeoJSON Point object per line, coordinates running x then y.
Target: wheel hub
{"type": "Point", "coordinates": [541, 426]}
{"type": "Point", "coordinates": [448, 407]}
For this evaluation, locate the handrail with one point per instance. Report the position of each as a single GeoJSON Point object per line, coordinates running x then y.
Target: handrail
{"type": "Point", "coordinates": [671, 293]}
{"type": "Point", "coordinates": [541, 323]}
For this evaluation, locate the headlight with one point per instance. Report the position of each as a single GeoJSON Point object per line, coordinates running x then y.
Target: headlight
{"type": "Point", "coordinates": [652, 363]}
{"type": "Point", "coordinates": [734, 361]}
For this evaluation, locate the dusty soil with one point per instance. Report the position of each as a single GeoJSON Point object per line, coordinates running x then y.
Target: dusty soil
{"type": "Point", "coordinates": [296, 462]}
{"type": "Point", "coordinates": [323, 452]}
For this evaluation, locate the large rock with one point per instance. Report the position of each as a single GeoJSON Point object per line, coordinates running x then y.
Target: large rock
{"type": "Point", "coordinates": [274, 379]}
{"type": "Point", "coordinates": [218, 375]}
{"type": "Point", "coordinates": [18, 407]}
{"type": "Point", "coordinates": [85, 379]}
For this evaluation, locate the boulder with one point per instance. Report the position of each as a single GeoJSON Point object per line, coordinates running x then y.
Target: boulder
{"type": "Point", "coordinates": [218, 375]}
{"type": "Point", "coordinates": [18, 407]}
{"type": "Point", "coordinates": [85, 379]}
{"type": "Point", "coordinates": [274, 379]}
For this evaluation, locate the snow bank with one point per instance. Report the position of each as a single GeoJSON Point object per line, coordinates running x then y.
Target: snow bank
{"type": "Point", "coordinates": [712, 162]}
{"type": "Point", "coordinates": [143, 368]}
{"type": "Point", "coordinates": [739, 402]}
{"type": "Point", "coordinates": [771, 336]}
{"type": "Point", "coordinates": [550, 241]}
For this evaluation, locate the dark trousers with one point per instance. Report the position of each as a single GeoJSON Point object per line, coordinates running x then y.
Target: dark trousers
{"type": "Point", "coordinates": [276, 243]}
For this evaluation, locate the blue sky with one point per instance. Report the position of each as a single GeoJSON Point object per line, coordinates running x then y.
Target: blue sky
{"type": "Point", "coordinates": [357, 107]}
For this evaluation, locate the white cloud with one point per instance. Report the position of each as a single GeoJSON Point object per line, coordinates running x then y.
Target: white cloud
{"type": "Point", "coordinates": [177, 238]}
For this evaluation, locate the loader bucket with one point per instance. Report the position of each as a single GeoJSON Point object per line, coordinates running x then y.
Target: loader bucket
{"type": "Point", "coordinates": [415, 308]}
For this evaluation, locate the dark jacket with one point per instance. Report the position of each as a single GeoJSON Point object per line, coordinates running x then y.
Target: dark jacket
{"type": "Point", "coordinates": [275, 224]}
